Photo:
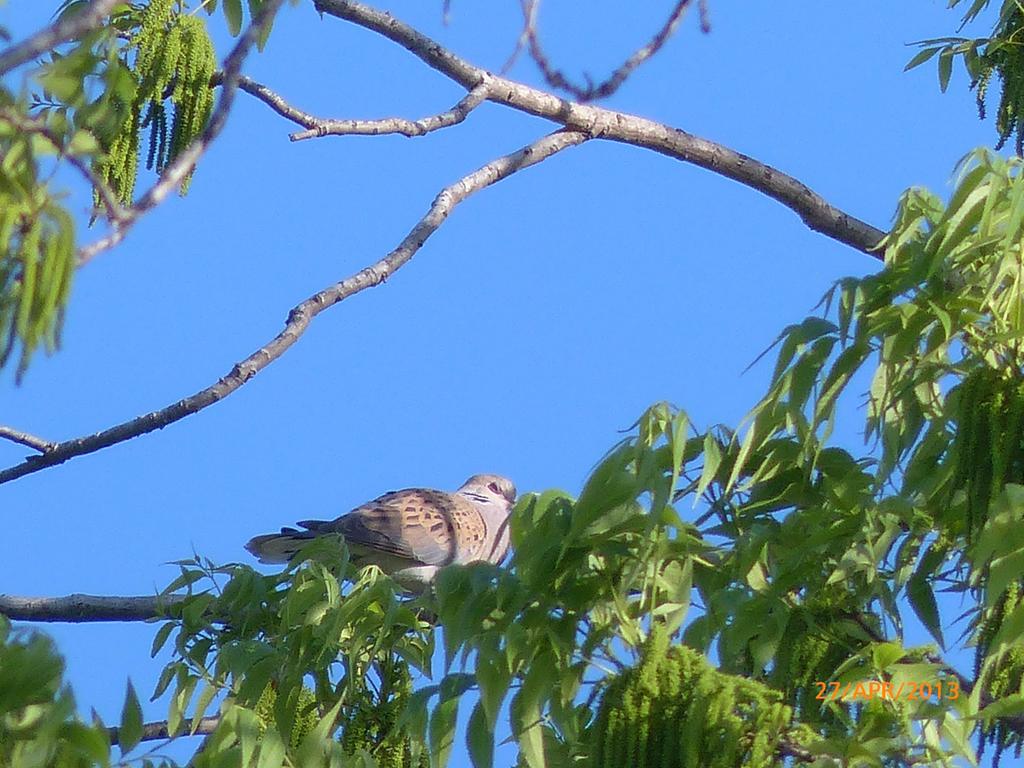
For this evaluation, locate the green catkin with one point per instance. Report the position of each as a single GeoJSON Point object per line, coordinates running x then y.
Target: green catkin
{"type": "Point", "coordinates": [695, 716]}
{"type": "Point", "coordinates": [1013, 442]}
{"type": "Point", "coordinates": [370, 726]}
{"type": "Point", "coordinates": [193, 95]}
{"type": "Point", "coordinates": [162, 146]}
{"type": "Point", "coordinates": [1002, 680]}
{"type": "Point", "coordinates": [148, 40]}
{"type": "Point", "coordinates": [174, 62]}
{"type": "Point", "coordinates": [976, 422]}
{"type": "Point", "coordinates": [987, 447]}
{"type": "Point", "coordinates": [305, 716]}
{"type": "Point", "coordinates": [166, 66]}
{"type": "Point", "coordinates": [967, 395]}
{"type": "Point", "coordinates": [643, 715]}
{"type": "Point", "coordinates": [153, 121]}
{"type": "Point", "coordinates": [981, 91]}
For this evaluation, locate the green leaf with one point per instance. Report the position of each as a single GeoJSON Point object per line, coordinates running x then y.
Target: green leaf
{"type": "Point", "coordinates": [945, 68]}
{"type": "Point", "coordinates": [527, 709]}
{"type": "Point", "coordinates": [921, 57]}
{"type": "Point", "coordinates": [1005, 707]}
{"type": "Point", "coordinates": [480, 738]}
{"type": "Point", "coordinates": [202, 704]}
{"type": "Point", "coordinates": [272, 750]}
{"type": "Point", "coordinates": [130, 732]}
{"type": "Point", "coordinates": [264, 35]}
{"type": "Point", "coordinates": [233, 14]}
{"type": "Point", "coordinates": [442, 725]}
{"type": "Point", "coordinates": [312, 743]}
{"type": "Point", "coordinates": [885, 654]}
{"type": "Point", "coordinates": [1011, 632]}
{"type": "Point", "coordinates": [493, 676]}
{"type": "Point", "coordinates": [83, 143]}
{"type": "Point", "coordinates": [161, 637]}
{"type": "Point", "coordinates": [922, 600]}
{"type": "Point", "coordinates": [186, 579]}
{"type": "Point", "coordinates": [712, 461]}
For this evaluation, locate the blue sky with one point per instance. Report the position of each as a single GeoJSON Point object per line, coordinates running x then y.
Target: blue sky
{"type": "Point", "coordinates": [532, 328]}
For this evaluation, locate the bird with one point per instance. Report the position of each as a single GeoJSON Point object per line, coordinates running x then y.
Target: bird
{"type": "Point", "coordinates": [411, 534]}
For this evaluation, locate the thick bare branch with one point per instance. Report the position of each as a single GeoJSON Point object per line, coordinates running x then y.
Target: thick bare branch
{"type": "Point", "coordinates": [24, 438]}
{"type": "Point", "coordinates": [86, 608]}
{"type": "Point", "coordinates": [69, 27]}
{"type": "Point", "coordinates": [158, 730]}
{"type": "Point", "coordinates": [183, 164]}
{"type": "Point", "coordinates": [300, 316]}
{"type": "Point", "coordinates": [816, 212]}
{"type": "Point", "coordinates": [319, 126]}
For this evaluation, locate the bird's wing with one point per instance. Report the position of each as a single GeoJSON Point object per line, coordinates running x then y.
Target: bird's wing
{"type": "Point", "coordinates": [417, 524]}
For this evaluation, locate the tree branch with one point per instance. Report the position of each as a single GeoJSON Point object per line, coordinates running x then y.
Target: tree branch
{"type": "Point", "coordinates": [597, 122]}
{"type": "Point", "coordinates": [556, 79]}
{"type": "Point", "coordinates": [87, 608]}
{"type": "Point", "coordinates": [158, 730]}
{"type": "Point", "coordinates": [185, 162]}
{"type": "Point", "coordinates": [69, 27]}
{"type": "Point", "coordinates": [24, 438]}
{"type": "Point", "coordinates": [301, 315]}
{"type": "Point", "coordinates": [319, 126]}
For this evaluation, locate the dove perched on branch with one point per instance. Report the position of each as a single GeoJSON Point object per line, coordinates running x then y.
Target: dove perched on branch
{"type": "Point", "coordinates": [411, 534]}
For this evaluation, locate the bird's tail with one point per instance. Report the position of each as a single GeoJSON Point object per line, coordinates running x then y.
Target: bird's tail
{"type": "Point", "coordinates": [278, 547]}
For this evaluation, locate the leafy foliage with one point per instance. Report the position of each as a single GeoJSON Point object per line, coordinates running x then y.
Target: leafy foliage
{"type": "Point", "coordinates": [37, 264]}
{"type": "Point", "coordinates": [38, 725]}
{"type": "Point", "coordinates": [702, 587]}
{"type": "Point", "coordinates": [148, 71]}
{"type": "Point", "coordinates": [1000, 54]}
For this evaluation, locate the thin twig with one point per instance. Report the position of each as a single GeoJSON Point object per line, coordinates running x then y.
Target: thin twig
{"type": "Point", "coordinates": [70, 27]}
{"type": "Point", "coordinates": [816, 212]}
{"type": "Point", "coordinates": [185, 162]}
{"type": "Point", "coordinates": [158, 730]}
{"type": "Point", "coordinates": [557, 80]}
{"type": "Point", "coordinates": [78, 608]}
{"type": "Point", "coordinates": [319, 126]}
{"type": "Point", "coordinates": [24, 438]}
{"type": "Point", "coordinates": [300, 316]}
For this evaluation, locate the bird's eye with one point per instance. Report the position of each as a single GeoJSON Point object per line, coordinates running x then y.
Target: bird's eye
{"type": "Point", "coordinates": [494, 487]}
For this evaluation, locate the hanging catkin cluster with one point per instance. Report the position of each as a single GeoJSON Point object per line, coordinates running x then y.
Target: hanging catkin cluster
{"type": "Point", "coordinates": [989, 445]}
{"type": "Point", "coordinates": [35, 275]}
{"type": "Point", "coordinates": [174, 63]}
{"type": "Point", "coordinates": [1005, 56]}
{"type": "Point", "coordinates": [674, 710]}
{"type": "Point", "coordinates": [1002, 680]}
{"type": "Point", "coordinates": [371, 726]}
{"type": "Point", "coordinates": [816, 646]}
{"type": "Point", "coordinates": [305, 716]}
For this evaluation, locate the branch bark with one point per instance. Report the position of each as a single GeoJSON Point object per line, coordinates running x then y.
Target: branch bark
{"type": "Point", "coordinates": [158, 730]}
{"type": "Point", "coordinates": [599, 123]}
{"type": "Point", "coordinates": [24, 438]}
{"type": "Point", "coordinates": [317, 127]}
{"type": "Point", "coordinates": [556, 79]}
{"type": "Point", "coordinates": [79, 608]}
{"type": "Point", "coordinates": [69, 27]}
{"type": "Point", "coordinates": [301, 315]}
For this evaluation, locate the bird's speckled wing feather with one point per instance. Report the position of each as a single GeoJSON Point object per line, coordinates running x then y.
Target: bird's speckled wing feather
{"type": "Point", "coordinates": [421, 525]}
